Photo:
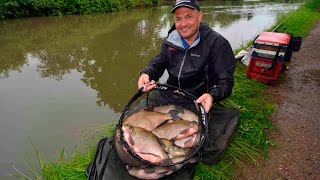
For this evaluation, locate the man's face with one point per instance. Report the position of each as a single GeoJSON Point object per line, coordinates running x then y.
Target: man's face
{"type": "Point", "coordinates": [187, 22]}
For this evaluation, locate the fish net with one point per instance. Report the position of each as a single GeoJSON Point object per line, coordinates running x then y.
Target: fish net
{"type": "Point", "coordinates": [160, 132]}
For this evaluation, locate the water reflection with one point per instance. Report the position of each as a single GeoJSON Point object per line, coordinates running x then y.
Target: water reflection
{"type": "Point", "coordinates": [118, 46]}
{"type": "Point", "coordinates": [69, 72]}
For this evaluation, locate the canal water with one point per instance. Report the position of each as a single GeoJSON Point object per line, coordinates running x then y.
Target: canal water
{"type": "Point", "coordinates": [61, 77]}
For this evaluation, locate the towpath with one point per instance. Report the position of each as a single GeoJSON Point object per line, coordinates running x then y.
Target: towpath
{"type": "Point", "coordinates": [297, 118]}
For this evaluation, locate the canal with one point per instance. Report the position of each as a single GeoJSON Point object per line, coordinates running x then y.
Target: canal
{"type": "Point", "coordinates": [61, 77]}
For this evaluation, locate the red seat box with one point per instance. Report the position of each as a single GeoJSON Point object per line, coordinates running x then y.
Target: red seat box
{"type": "Point", "coordinates": [267, 44]}
{"type": "Point", "coordinates": [259, 69]}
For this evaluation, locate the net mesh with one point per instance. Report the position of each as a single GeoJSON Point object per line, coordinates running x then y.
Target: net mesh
{"type": "Point", "coordinates": [162, 128]}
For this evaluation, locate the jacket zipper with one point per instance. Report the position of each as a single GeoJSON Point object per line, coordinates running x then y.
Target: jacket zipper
{"type": "Point", "coordinates": [182, 63]}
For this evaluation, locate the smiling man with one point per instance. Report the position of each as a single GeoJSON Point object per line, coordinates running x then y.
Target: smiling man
{"type": "Point", "coordinates": [198, 59]}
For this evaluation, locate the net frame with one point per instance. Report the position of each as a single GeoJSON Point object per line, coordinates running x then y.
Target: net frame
{"type": "Point", "coordinates": [202, 116]}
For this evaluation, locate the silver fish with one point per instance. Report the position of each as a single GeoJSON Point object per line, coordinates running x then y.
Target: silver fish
{"type": "Point", "coordinates": [146, 119]}
{"type": "Point", "coordinates": [144, 143]}
{"type": "Point", "coordinates": [172, 149]}
{"type": "Point", "coordinates": [165, 108]}
{"type": "Point", "coordinates": [188, 115]}
{"type": "Point", "coordinates": [186, 142]}
{"type": "Point", "coordinates": [176, 130]}
{"type": "Point", "coordinates": [177, 112]}
{"type": "Point", "coordinates": [123, 153]}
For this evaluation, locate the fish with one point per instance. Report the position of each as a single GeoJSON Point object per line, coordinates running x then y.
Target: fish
{"type": "Point", "coordinates": [173, 110]}
{"type": "Point", "coordinates": [165, 108]}
{"type": "Point", "coordinates": [176, 130]}
{"type": "Point", "coordinates": [177, 112]}
{"type": "Point", "coordinates": [186, 142]}
{"type": "Point", "coordinates": [145, 144]}
{"type": "Point", "coordinates": [172, 149]}
{"type": "Point", "coordinates": [188, 115]}
{"type": "Point", "coordinates": [123, 152]}
{"type": "Point", "coordinates": [146, 119]}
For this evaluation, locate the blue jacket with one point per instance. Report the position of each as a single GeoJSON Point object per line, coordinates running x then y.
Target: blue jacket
{"type": "Point", "coordinates": [206, 66]}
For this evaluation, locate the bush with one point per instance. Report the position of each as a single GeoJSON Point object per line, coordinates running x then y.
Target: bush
{"type": "Point", "coordinates": [27, 8]}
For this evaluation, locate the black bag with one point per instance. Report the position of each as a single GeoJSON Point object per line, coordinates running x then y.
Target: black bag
{"type": "Point", "coordinates": [223, 124]}
{"type": "Point", "coordinates": [106, 165]}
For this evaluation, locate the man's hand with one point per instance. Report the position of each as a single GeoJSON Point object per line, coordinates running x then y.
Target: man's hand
{"type": "Point", "coordinates": [144, 82]}
{"type": "Point", "coordinates": [206, 101]}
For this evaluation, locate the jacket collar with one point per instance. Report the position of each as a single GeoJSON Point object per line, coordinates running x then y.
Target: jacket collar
{"type": "Point", "coordinates": [175, 39]}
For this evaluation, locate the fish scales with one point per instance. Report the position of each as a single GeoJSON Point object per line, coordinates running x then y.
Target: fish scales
{"type": "Point", "coordinates": [176, 130]}
{"type": "Point", "coordinates": [148, 120]}
{"type": "Point", "coordinates": [172, 149]}
{"type": "Point", "coordinates": [144, 143]}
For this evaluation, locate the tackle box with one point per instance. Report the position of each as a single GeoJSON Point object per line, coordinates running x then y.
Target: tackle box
{"type": "Point", "coordinates": [264, 70]}
{"type": "Point", "coordinates": [267, 44]}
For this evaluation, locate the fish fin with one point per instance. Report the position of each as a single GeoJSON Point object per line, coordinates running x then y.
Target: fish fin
{"type": "Point", "coordinates": [181, 135]}
{"type": "Point", "coordinates": [167, 161]}
{"type": "Point", "coordinates": [150, 109]}
{"type": "Point", "coordinates": [164, 173]}
{"type": "Point", "coordinates": [189, 142]}
{"type": "Point", "coordinates": [179, 109]}
{"type": "Point", "coordinates": [147, 156]}
{"type": "Point", "coordinates": [131, 141]}
{"type": "Point", "coordinates": [163, 145]}
{"type": "Point", "coordinates": [164, 122]}
{"type": "Point", "coordinates": [174, 114]}
{"type": "Point", "coordinates": [149, 170]}
{"type": "Point", "coordinates": [184, 131]}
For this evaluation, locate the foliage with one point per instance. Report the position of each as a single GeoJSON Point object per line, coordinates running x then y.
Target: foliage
{"type": "Point", "coordinates": [28, 8]}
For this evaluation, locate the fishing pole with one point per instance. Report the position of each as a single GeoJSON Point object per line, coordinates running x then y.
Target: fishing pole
{"type": "Point", "coordinates": [276, 28]}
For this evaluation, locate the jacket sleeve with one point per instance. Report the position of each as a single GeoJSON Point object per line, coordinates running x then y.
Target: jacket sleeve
{"type": "Point", "coordinates": [220, 70]}
{"type": "Point", "coordinates": [157, 65]}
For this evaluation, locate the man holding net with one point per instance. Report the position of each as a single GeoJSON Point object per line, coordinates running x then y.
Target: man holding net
{"type": "Point", "coordinates": [198, 59]}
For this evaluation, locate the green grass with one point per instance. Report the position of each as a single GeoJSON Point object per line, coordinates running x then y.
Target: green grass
{"type": "Point", "coordinates": [74, 167]}
{"type": "Point", "coordinates": [250, 97]}
{"type": "Point", "coordinates": [302, 21]}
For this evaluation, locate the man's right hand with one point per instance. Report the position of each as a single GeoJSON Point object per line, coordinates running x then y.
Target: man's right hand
{"type": "Point", "coordinates": [144, 81]}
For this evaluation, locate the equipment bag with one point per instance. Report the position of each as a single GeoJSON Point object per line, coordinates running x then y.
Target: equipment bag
{"type": "Point", "coordinates": [106, 165]}
{"type": "Point", "coordinates": [223, 124]}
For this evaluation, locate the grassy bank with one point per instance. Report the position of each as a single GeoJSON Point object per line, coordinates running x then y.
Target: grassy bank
{"type": "Point", "coordinates": [250, 97]}
{"type": "Point", "coordinates": [29, 8]}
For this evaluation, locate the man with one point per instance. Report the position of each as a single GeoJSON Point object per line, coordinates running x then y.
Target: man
{"type": "Point", "coordinates": [198, 59]}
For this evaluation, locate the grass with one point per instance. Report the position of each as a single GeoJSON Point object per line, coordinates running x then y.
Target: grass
{"type": "Point", "coordinates": [74, 168]}
{"type": "Point", "coordinates": [250, 97]}
{"type": "Point", "coordinates": [303, 20]}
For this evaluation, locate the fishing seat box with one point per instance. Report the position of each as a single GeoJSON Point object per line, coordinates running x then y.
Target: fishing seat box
{"type": "Point", "coordinates": [270, 50]}
{"type": "Point", "coordinates": [267, 44]}
{"type": "Point", "coordinates": [261, 70]}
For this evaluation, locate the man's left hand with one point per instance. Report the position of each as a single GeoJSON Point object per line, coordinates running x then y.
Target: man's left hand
{"type": "Point", "coordinates": [206, 101]}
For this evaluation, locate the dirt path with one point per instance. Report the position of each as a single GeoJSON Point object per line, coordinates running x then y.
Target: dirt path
{"type": "Point", "coordinates": [297, 119]}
